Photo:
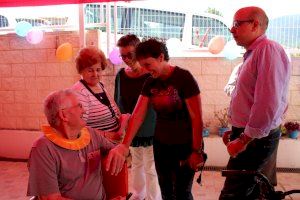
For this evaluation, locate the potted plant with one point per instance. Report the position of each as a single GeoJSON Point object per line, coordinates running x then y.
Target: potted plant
{"type": "Point", "coordinates": [222, 117]}
{"type": "Point", "coordinates": [205, 131]}
{"type": "Point", "coordinates": [292, 129]}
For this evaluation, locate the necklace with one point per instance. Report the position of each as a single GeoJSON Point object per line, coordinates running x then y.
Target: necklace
{"type": "Point", "coordinates": [82, 141]}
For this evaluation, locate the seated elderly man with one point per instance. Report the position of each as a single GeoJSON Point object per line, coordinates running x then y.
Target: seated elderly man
{"type": "Point", "coordinates": [65, 162]}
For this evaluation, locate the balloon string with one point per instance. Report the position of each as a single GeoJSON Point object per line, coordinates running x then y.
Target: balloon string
{"type": "Point", "coordinates": [204, 37]}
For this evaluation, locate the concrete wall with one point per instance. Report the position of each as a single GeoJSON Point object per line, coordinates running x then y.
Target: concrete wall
{"type": "Point", "coordinates": [29, 72]}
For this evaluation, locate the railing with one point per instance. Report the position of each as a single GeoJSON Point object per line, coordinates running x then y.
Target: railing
{"type": "Point", "coordinates": [193, 29]}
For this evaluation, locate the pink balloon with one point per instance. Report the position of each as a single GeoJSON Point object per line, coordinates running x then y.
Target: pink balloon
{"type": "Point", "coordinates": [34, 36]}
{"type": "Point", "coordinates": [114, 56]}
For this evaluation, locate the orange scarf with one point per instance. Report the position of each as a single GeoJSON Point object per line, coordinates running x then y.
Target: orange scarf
{"type": "Point", "coordinates": [76, 144]}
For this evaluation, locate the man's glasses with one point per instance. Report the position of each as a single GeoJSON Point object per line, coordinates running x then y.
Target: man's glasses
{"type": "Point", "coordinates": [238, 23]}
{"type": "Point", "coordinates": [129, 55]}
{"type": "Point", "coordinates": [75, 106]}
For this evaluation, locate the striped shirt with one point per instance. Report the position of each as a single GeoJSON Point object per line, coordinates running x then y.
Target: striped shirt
{"type": "Point", "coordinates": [97, 115]}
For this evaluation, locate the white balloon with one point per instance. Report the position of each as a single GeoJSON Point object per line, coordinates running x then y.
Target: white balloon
{"type": "Point", "coordinates": [174, 46]}
{"type": "Point", "coordinates": [216, 44]}
{"type": "Point", "coordinates": [231, 50]}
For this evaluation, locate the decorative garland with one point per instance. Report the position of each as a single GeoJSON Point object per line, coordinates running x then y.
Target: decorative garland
{"type": "Point", "coordinates": [77, 144]}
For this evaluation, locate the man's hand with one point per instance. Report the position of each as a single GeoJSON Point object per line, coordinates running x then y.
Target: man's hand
{"type": "Point", "coordinates": [196, 160]}
{"type": "Point", "coordinates": [235, 147]}
{"type": "Point", "coordinates": [238, 145]}
{"type": "Point", "coordinates": [226, 137]}
{"type": "Point", "coordinates": [116, 158]}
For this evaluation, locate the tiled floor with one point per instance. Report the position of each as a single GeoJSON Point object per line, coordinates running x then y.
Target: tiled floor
{"type": "Point", "coordinates": [14, 175]}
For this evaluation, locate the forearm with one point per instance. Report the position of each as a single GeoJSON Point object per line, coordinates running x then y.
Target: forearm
{"type": "Point", "coordinates": [132, 128]}
{"type": "Point", "coordinates": [136, 119]}
{"type": "Point", "coordinates": [195, 111]}
{"type": "Point", "coordinates": [197, 134]}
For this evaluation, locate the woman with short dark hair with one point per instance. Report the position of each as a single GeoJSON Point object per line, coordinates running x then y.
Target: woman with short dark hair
{"type": "Point", "coordinates": [175, 96]}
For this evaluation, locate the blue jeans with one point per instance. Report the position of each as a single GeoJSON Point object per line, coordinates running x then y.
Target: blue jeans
{"type": "Point", "coordinates": [254, 158]}
{"type": "Point", "coordinates": [175, 179]}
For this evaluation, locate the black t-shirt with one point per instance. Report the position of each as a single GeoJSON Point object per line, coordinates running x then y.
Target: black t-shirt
{"type": "Point", "coordinates": [168, 100]}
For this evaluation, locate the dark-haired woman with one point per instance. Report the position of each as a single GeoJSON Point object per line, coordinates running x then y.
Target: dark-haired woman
{"type": "Point", "coordinates": [175, 96]}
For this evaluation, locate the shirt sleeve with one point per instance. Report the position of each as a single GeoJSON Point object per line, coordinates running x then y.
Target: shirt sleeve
{"type": "Point", "coordinates": [190, 86]}
{"type": "Point", "coordinates": [147, 87]}
{"type": "Point", "coordinates": [105, 144]}
{"type": "Point", "coordinates": [117, 93]}
{"type": "Point", "coordinates": [42, 171]}
{"type": "Point", "coordinates": [273, 70]}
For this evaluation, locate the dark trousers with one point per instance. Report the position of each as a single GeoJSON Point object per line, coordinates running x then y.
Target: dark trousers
{"type": "Point", "coordinates": [257, 157]}
{"type": "Point", "coordinates": [174, 176]}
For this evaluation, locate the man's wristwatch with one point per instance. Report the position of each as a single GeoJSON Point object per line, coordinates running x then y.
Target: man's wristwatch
{"type": "Point", "coordinates": [245, 139]}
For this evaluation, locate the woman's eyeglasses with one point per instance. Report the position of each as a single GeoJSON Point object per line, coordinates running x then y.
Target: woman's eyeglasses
{"type": "Point", "coordinates": [129, 55]}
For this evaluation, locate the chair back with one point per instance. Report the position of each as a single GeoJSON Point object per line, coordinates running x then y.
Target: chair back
{"type": "Point", "coordinates": [115, 185]}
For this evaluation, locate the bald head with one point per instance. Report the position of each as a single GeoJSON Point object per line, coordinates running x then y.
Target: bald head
{"type": "Point", "coordinates": [256, 13]}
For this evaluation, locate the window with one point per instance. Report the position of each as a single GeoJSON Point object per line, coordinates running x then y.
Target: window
{"type": "Point", "coordinates": [3, 21]}
{"type": "Point", "coordinates": [210, 27]}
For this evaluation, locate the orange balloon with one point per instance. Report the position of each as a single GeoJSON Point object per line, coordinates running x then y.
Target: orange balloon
{"type": "Point", "coordinates": [216, 44]}
{"type": "Point", "coordinates": [64, 52]}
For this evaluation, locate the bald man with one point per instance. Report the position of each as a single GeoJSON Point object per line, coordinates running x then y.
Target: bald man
{"type": "Point", "coordinates": [258, 101]}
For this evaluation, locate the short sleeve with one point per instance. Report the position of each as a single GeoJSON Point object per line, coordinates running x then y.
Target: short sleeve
{"type": "Point", "coordinates": [42, 171]}
{"type": "Point", "coordinates": [147, 87]}
{"type": "Point", "coordinates": [190, 86]}
{"type": "Point", "coordinates": [104, 144]}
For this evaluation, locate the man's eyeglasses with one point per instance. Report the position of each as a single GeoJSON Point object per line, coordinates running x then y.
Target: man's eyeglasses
{"type": "Point", "coordinates": [238, 23]}
{"type": "Point", "coordinates": [75, 106]}
{"type": "Point", "coordinates": [129, 55]}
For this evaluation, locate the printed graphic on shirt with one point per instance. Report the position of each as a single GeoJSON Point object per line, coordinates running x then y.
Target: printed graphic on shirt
{"type": "Point", "coordinates": [166, 100]}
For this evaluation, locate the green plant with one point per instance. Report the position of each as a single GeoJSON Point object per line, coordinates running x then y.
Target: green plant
{"type": "Point", "coordinates": [206, 124]}
{"type": "Point", "coordinates": [222, 117]}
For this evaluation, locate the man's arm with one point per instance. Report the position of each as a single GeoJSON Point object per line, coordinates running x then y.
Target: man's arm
{"type": "Point", "coordinates": [273, 71]}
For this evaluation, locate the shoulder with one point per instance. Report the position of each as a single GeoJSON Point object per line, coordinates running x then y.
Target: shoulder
{"type": "Point", "coordinates": [77, 86]}
{"type": "Point", "coordinates": [121, 71]}
{"type": "Point", "coordinates": [80, 89]}
{"type": "Point", "coordinates": [42, 144]}
{"type": "Point", "coordinates": [269, 45]}
{"type": "Point", "coordinates": [182, 73]}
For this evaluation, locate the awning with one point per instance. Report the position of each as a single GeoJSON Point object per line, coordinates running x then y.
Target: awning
{"type": "Point", "coordinates": [18, 3]}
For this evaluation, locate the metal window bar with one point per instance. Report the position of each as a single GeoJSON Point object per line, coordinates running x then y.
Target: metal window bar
{"type": "Point", "coordinates": [146, 22]}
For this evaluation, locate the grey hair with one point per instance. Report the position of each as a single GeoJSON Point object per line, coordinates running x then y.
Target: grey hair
{"type": "Point", "coordinates": [53, 103]}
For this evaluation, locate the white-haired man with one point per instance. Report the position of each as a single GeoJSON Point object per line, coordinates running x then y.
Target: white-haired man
{"type": "Point", "coordinates": [65, 162]}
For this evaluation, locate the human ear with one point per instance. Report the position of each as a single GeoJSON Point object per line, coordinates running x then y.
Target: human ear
{"type": "Point", "coordinates": [256, 25]}
{"type": "Point", "coordinates": [161, 57]}
{"type": "Point", "coordinates": [62, 115]}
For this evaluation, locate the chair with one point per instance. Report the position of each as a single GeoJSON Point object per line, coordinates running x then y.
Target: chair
{"type": "Point", "coordinates": [115, 185]}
